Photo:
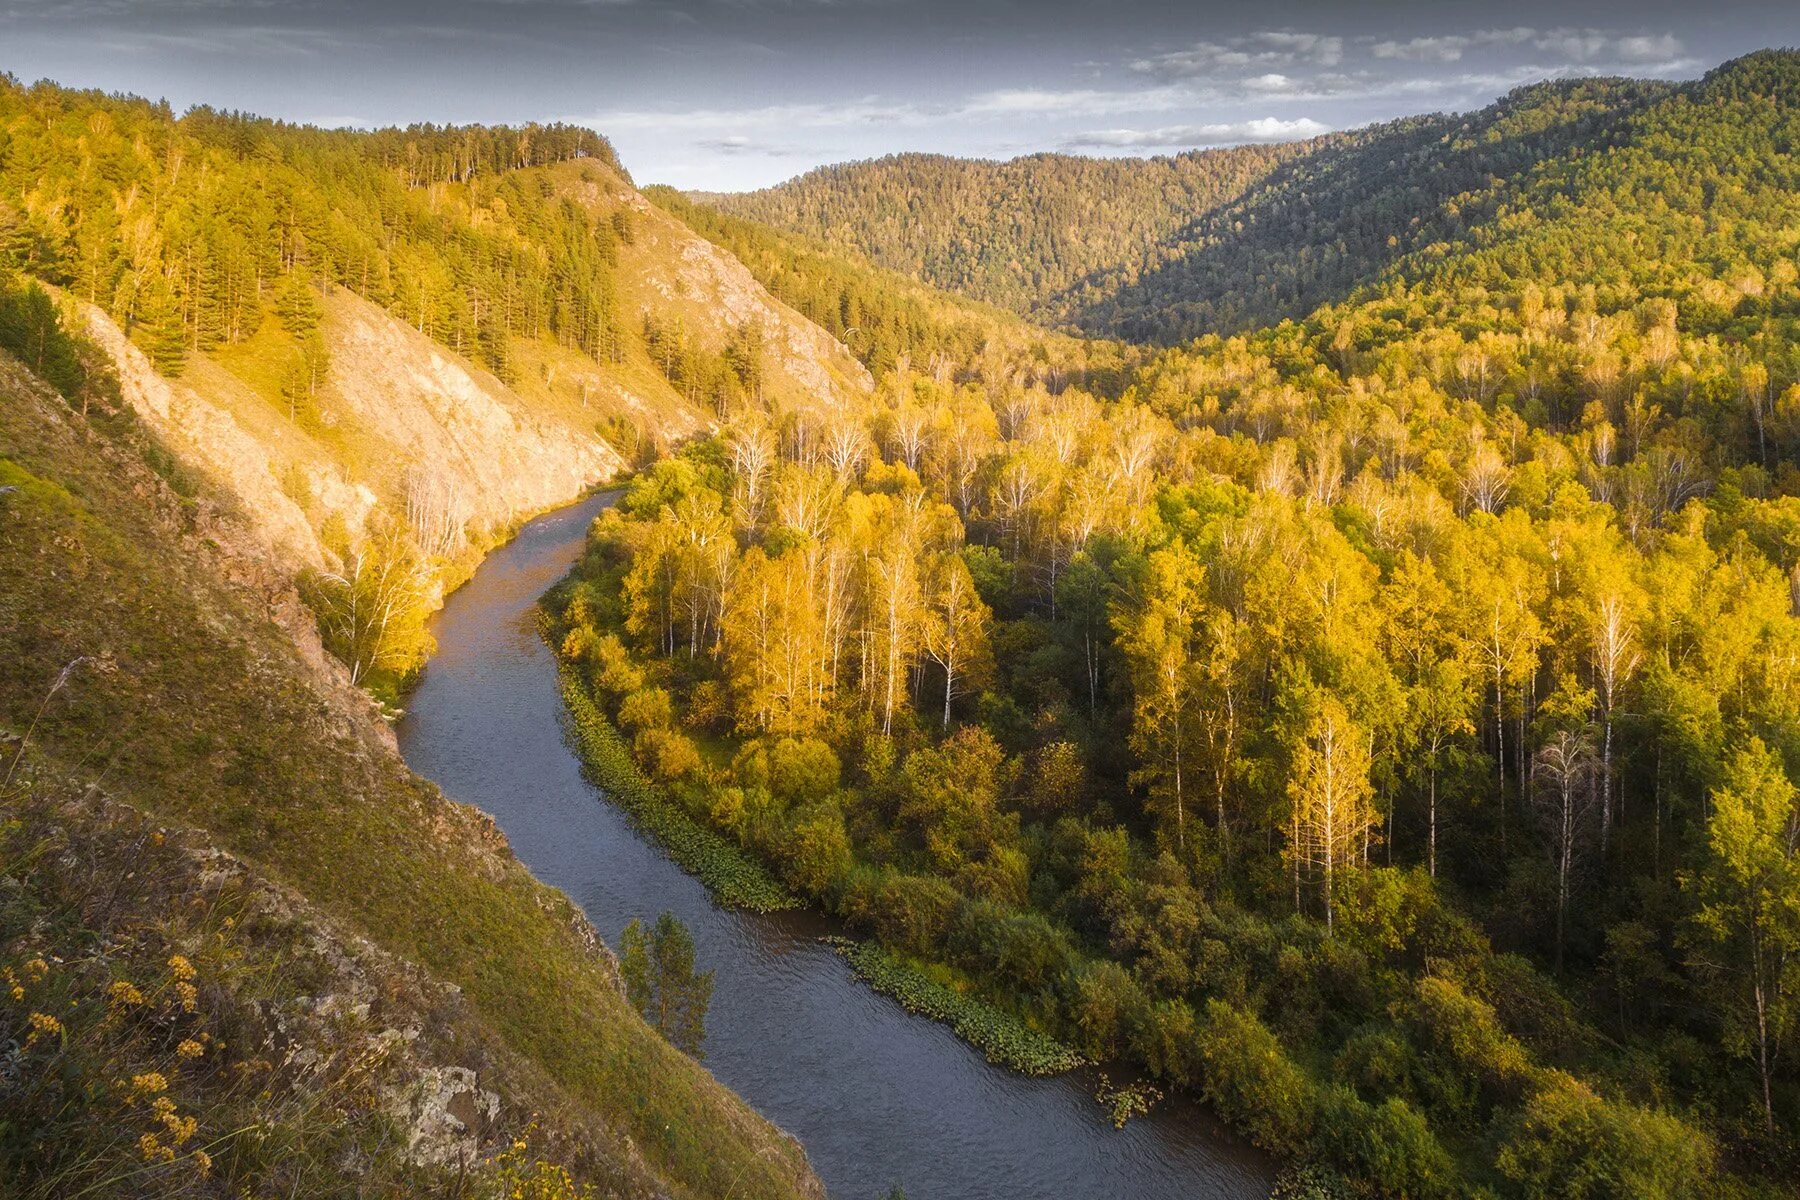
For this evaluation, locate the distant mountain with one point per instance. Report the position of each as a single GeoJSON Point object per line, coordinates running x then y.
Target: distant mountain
{"type": "Point", "coordinates": [1017, 233]}
{"type": "Point", "coordinates": [1224, 241]}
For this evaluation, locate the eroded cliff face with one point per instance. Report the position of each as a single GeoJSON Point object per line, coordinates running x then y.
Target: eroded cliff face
{"type": "Point", "coordinates": [402, 423]}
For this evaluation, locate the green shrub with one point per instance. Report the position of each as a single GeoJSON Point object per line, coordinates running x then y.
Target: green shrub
{"type": "Point", "coordinates": [1248, 1077]}
{"type": "Point", "coordinates": [1570, 1143]}
{"type": "Point", "coordinates": [814, 849]}
{"type": "Point", "coordinates": [646, 708]}
{"type": "Point", "coordinates": [1004, 1038]}
{"type": "Point", "coordinates": [1387, 1145]}
{"type": "Point", "coordinates": [732, 876]}
{"type": "Point", "coordinates": [911, 913]}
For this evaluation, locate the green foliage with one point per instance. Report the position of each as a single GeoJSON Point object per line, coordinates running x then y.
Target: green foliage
{"type": "Point", "coordinates": [446, 227]}
{"type": "Point", "coordinates": [194, 725]}
{"type": "Point", "coordinates": [662, 984]}
{"type": "Point", "coordinates": [886, 319]}
{"type": "Point", "coordinates": [1016, 233]}
{"type": "Point", "coordinates": [734, 879]}
{"type": "Point", "coordinates": [32, 329]}
{"type": "Point", "coordinates": [1572, 1144]}
{"type": "Point", "coordinates": [1247, 1074]}
{"type": "Point", "coordinates": [1004, 1038]}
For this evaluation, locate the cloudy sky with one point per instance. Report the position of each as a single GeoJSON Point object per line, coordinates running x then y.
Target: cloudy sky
{"type": "Point", "coordinates": [732, 94]}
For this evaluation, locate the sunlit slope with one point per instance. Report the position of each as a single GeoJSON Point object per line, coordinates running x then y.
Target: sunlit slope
{"type": "Point", "coordinates": [402, 997]}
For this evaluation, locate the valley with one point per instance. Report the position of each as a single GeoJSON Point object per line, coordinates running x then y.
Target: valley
{"type": "Point", "coordinates": [1292, 650]}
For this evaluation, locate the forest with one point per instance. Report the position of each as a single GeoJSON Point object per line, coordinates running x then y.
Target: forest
{"type": "Point", "coordinates": [1361, 685]}
{"type": "Point", "coordinates": [1384, 722]}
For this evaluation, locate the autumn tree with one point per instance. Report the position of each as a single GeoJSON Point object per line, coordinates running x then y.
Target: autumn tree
{"type": "Point", "coordinates": [1746, 928]}
{"type": "Point", "coordinates": [1329, 809]}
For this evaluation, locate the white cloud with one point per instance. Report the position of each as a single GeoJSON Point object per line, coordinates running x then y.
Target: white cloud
{"type": "Point", "coordinates": [1648, 48]}
{"type": "Point", "coordinates": [727, 122]}
{"type": "Point", "coordinates": [1272, 82]}
{"type": "Point", "coordinates": [1588, 45]}
{"type": "Point", "coordinates": [1451, 47]}
{"type": "Point", "coordinates": [1271, 48]}
{"type": "Point", "coordinates": [1079, 102]}
{"type": "Point", "coordinates": [1260, 129]}
{"type": "Point", "coordinates": [1304, 47]}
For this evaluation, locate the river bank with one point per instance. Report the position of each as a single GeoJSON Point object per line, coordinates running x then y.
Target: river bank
{"type": "Point", "coordinates": [876, 1095]}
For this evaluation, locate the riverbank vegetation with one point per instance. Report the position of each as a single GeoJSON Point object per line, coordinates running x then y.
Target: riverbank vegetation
{"type": "Point", "coordinates": [1004, 1038]}
{"type": "Point", "coordinates": [1383, 723]}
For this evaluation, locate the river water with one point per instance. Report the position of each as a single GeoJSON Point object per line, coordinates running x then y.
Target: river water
{"type": "Point", "coordinates": [877, 1096]}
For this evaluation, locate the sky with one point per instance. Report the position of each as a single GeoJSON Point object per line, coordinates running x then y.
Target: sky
{"type": "Point", "coordinates": [735, 94]}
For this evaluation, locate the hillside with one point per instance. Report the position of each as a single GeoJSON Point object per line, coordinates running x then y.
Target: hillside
{"type": "Point", "coordinates": [180, 781]}
{"type": "Point", "coordinates": [525, 326]}
{"type": "Point", "coordinates": [1310, 224]}
{"type": "Point", "coordinates": [1018, 233]}
{"type": "Point", "coordinates": [896, 325]}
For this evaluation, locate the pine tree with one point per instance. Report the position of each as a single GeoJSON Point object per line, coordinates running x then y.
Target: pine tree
{"type": "Point", "coordinates": [662, 984]}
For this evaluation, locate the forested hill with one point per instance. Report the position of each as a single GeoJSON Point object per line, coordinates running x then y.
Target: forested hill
{"type": "Point", "coordinates": [1016, 233]}
{"type": "Point", "coordinates": [1594, 172]}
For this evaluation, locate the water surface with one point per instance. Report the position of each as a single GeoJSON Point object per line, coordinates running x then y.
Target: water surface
{"type": "Point", "coordinates": [877, 1096]}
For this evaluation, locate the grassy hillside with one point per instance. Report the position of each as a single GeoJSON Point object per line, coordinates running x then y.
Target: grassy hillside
{"type": "Point", "coordinates": [894, 323]}
{"type": "Point", "coordinates": [390, 347]}
{"type": "Point", "coordinates": [353, 941]}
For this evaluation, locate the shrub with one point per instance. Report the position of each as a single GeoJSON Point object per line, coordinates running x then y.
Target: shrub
{"type": "Point", "coordinates": [646, 708]}
{"type": "Point", "coordinates": [670, 756]}
{"type": "Point", "coordinates": [1106, 998]}
{"type": "Point", "coordinates": [1249, 1078]}
{"type": "Point", "coordinates": [814, 849]}
{"type": "Point", "coordinates": [1463, 1040]}
{"type": "Point", "coordinates": [912, 913]}
{"type": "Point", "coordinates": [734, 878]}
{"type": "Point", "coordinates": [1004, 1038]}
{"type": "Point", "coordinates": [1388, 1145]}
{"type": "Point", "coordinates": [1572, 1144]}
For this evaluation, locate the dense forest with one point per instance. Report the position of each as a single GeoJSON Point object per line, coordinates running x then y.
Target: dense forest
{"type": "Point", "coordinates": [187, 230]}
{"type": "Point", "coordinates": [1385, 722]}
{"type": "Point", "coordinates": [1018, 233]}
{"type": "Point", "coordinates": [890, 321]}
{"type": "Point", "coordinates": [1259, 235]}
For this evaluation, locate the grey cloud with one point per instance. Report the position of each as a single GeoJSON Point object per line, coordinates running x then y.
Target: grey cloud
{"type": "Point", "coordinates": [1261, 129]}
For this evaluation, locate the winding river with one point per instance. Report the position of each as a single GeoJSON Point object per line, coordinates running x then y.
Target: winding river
{"type": "Point", "coordinates": [877, 1096]}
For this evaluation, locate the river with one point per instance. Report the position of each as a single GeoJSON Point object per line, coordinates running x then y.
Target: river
{"type": "Point", "coordinates": [877, 1096]}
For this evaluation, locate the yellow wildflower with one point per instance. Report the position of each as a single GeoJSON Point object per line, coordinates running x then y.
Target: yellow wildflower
{"type": "Point", "coordinates": [180, 967]}
{"type": "Point", "coordinates": [151, 1083]}
{"type": "Point", "coordinates": [180, 1128]}
{"type": "Point", "coordinates": [124, 994]}
{"type": "Point", "coordinates": [189, 1048]}
{"type": "Point", "coordinates": [43, 1025]}
{"type": "Point", "coordinates": [203, 1162]}
{"type": "Point", "coordinates": [37, 968]}
{"type": "Point", "coordinates": [153, 1150]}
